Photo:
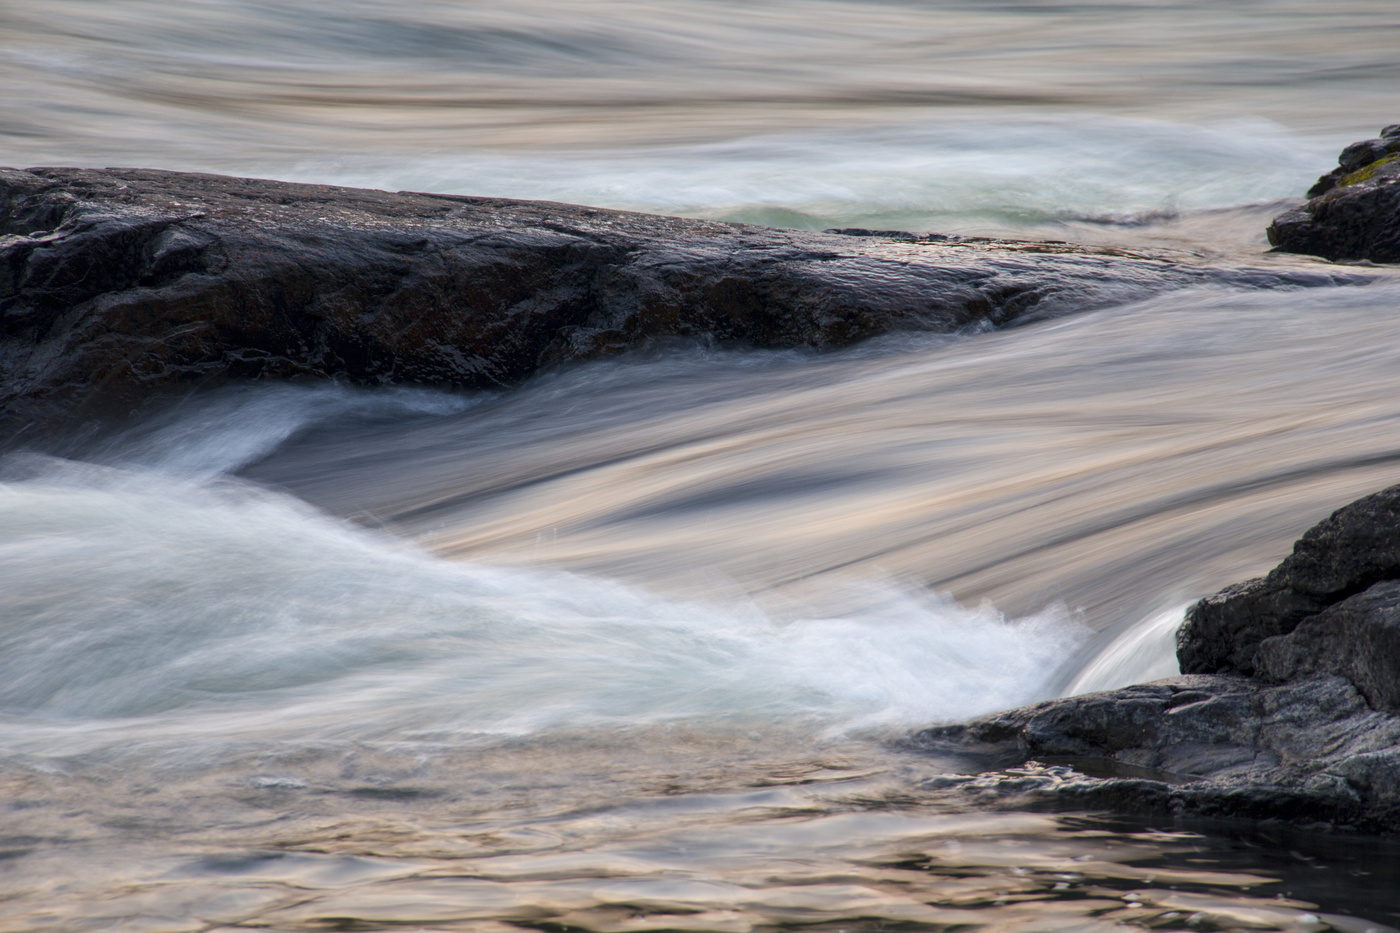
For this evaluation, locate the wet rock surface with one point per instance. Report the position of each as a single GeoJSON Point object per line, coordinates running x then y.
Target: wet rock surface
{"type": "Point", "coordinates": [1354, 211]}
{"type": "Point", "coordinates": [120, 284]}
{"type": "Point", "coordinates": [1289, 707]}
{"type": "Point", "coordinates": [1355, 547]}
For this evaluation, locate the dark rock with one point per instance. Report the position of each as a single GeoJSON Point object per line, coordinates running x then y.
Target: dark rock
{"type": "Point", "coordinates": [1312, 751]}
{"type": "Point", "coordinates": [1354, 211]}
{"type": "Point", "coordinates": [884, 234]}
{"type": "Point", "coordinates": [1362, 154]}
{"type": "Point", "coordinates": [120, 284]}
{"type": "Point", "coordinates": [1356, 546]}
{"type": "Point", "coordinates": [1312, 736]}
{"type": "Point", "coordinates": [1358, 638]}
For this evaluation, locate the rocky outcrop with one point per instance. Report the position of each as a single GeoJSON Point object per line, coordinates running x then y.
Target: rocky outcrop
{"type": "Point", "coordinates": [1357, 638]}
{"type": "Point", "coordinates": [1289, 706]}
{"type": "Point", "coordinates": [122, 283]}
{"type": "Point", "coordinates": [1312, 751]}
{"type": "Point", "coordinates": [1354, 211]}
{"type": "Point", "coordinates": [1355, 547]}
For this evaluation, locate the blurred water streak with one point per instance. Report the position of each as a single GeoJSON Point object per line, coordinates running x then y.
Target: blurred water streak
{"type": "Point", "coordinates": [805, 112]}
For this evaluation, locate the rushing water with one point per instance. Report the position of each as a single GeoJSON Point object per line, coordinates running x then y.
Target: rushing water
{"type": "Point", "coordinates": [632, 647]}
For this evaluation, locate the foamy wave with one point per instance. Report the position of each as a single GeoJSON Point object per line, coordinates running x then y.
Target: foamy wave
{"type": "Point", "coordinates": [175, 608]}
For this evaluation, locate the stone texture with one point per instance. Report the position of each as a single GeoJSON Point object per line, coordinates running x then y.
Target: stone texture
{"type": "Point", "coordinates": [1311, 751]}
{"type": "Point", "coordinates": [1354, 211]}
{"type": "Point", "coordinates": [1356, 546]}
{"type": "Point", "coordinates": [1288, 708]}
{"type": "Point", "coordinates": [1357, 638]}
{"type": "Point", "coordinates": [120, 284]}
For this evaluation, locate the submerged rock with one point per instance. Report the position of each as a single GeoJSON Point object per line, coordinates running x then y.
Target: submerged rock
{"type": "Point", "coordinates": [122, 283]}
{"type": "Point", "coordinates": [1288, 707]}
{"type": "Point", "coordinates": [1354, 211]}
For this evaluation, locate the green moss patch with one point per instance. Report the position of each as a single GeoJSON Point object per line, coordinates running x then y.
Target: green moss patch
{"type": "Point", "coordinates": [1367, 172]}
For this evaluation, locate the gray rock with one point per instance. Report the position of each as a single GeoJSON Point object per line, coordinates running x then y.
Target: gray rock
{"type": "Point", "coordinates": [120, 284]}
{"type": "Point", "coordinates": [1356, 546]}
{"type": "Point", "coordinates": [1358, 638]}
{"type": "Point", "coordinates": [1354, 211]}
{"type": "Point", "coordinates": [1359, 155]}
{"type": "Point", "coordinates": [1289, 707]}
{"type": "Point", "coordinates": [1311, 751]}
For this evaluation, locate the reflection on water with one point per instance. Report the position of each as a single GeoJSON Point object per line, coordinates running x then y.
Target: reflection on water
{"type": "Point", "coordinates": [364, 75]}
{"type": "Point", "coordinates": [798, 847]}
{"type": "Point", "coordinates": [246, 713]}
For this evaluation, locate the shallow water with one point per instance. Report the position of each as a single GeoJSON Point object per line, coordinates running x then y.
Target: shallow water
{"type": "Point", "coordinates": [634, 646]}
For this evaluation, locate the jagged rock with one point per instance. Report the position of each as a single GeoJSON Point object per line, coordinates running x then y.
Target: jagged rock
{"type": "Point", "coordinates": [1219, 745]}
{"type": "Point", "coordinates": [1354, 211]}
{"type": "Point", "coordinates": [122, 283]}
{"type": "Point", "coordinates": [1356, 546]}
{"type": "Point", "coordinates": [1288, 708]}
{"type": "Point", "coordinates": [1357, 638]}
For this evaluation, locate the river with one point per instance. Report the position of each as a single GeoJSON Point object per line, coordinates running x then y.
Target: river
{"type": "Point", "coordinates": [634, 646]}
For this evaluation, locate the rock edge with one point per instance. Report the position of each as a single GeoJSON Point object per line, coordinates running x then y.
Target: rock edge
{"type": "Point", "coordinates": [118, 285]}
{"type": "Point", "coordinates": [1354, 210]}
{"type": "Point", "coordinates": [1288, 707]}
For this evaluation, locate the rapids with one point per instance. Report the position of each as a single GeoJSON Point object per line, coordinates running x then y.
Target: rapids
{"type": "Point", "coordinates": [633, 646]}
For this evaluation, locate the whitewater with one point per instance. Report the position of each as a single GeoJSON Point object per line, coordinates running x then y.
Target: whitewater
{"type": "Point", "coordinates": [636, 645]}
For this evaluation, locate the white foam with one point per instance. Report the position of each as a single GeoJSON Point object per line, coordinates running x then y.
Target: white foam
{"type": "Point", "coordinates": [1145, 651]}
{"type": "Point", "coordinates": [132, 601]}
{"type": "Point", "coordinates": [947, 174]}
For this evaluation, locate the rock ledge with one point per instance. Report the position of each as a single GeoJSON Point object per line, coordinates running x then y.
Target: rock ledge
{"type": "Point", "coordinates": [1289, 707]}
{"type": "Point", "coordinates": [117, 285]}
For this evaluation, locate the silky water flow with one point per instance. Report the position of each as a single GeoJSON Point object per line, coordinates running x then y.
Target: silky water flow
{"type": "Point", "coordinates": [637, 645]}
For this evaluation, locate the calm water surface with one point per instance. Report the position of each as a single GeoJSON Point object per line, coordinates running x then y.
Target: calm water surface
{"type": "Point", "coordinates": [632, 647]}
